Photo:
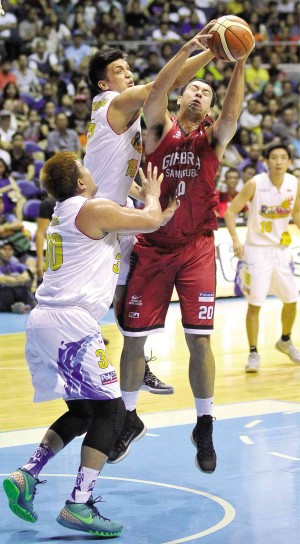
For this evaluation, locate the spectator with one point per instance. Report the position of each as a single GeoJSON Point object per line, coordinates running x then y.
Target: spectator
{"type": "Point", "coordinates": [288, 97]}
{"type": "Point", "coordinates": [286, 125]}
{"type": "Point", "coordinates": [254, 160]}
{"type": "Point", "coordinates": [12, 199]}
{"type": "Point", "coordinates": [246, 173]}
{"type": "Point", "coordinates": [267, 136]}
{"type": "Point", "coordinates": [22, 164]}
{"type": "Point", "coordinates": [8, 39]}
{"type": "Point", "coordinates": [255, 74]}
{"type": "Point", "coordinates": [32, 131]}
{"type": "Point", "coordinates": [266, 93]}
{"type": "Point", "coordinates": [62, 138]}
{"type": "Point", "coordinates": [42, 62]}
{"type": "Point", "coordinates": [6, 132]}
{"type": "Point", "coordinates": [6, 74]}
{"type": "Point", "coordinates": [251, 118]}
{"type": "Point", "coordinates": [29, 27]}
{"type": "Point", "coordinates": [227, 192]}
{"type": "Point", "coordinates": [296, 142]}
{"type": "Point", "coordinates": [81, 114]}
{"type": "Point", "coordinates": [15, 282]}
{"type": "Point", "coordinates": [26, 79]}
{"type": "Point", "coordinates": [154, 65]}
{"type": "Point", "coordinates": [48, 122]}
{"type": "Point", "coordinates": [77, 52]}
{"type": "Point", "coordinates": [164, 33]}
{"type": "Point", "coordinates": [59, 34]}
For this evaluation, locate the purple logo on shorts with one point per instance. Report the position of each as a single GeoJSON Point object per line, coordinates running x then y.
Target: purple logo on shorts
{"type": "Point", "coordinates": [109, 377]}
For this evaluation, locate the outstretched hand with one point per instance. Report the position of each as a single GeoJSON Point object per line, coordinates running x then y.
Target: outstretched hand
{"type": "Point", "coordinates": [151, 184]}
{"type": "Point", "coordinates": [168, 213]}
{"type": "Point", "coordinates": [200, 40]}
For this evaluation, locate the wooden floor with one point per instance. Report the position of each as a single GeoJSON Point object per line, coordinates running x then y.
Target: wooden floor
{"type": "Point", "coordinates": [277, 380]}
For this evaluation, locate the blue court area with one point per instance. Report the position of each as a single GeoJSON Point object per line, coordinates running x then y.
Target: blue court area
{"type": "Point", "coordinates": [160, 495]}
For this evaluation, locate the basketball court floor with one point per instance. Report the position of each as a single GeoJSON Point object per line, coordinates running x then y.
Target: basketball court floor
{"type": "Point", "coordinates": [157, 492]}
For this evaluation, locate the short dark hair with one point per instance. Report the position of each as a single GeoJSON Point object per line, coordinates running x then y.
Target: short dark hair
{"type": "Point", "coordinates": [59, 175]}
{"type": "Point", "coordinates": [214, 96]}
{"type": "Point", "coordinates": [271, 148]}
{"type": "Point", "coordinates": [99, 62]}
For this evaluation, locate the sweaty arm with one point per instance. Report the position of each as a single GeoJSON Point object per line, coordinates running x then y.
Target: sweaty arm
{"type": "Point", "coordinates": [222, 131]}
{"type": "Point", "coordinates": [296, 209]}
{"type": "Point", "coordinates": [238, 203]}
{"type": "Point", "coordinates": [99, 216]}
{"type": "Point", "coordinates": [157, 118]}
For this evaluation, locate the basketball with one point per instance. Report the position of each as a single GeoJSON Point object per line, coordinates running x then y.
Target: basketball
{"type": "Point", "coordinates": [232, 38]}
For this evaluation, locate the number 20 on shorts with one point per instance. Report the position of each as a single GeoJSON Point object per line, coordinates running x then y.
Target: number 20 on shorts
{"type": "Point", "coordinates": [206, 312]}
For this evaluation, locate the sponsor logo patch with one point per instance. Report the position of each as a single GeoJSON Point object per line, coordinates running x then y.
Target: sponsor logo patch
{"type": "Point", "coordinates": [206, 297]}
{"type": "Point", "coordinates": [109, 377]}
{"type": "Point", "coordinates": [134, 315]}
{"type": "Point", "coordinates": [136, 301]}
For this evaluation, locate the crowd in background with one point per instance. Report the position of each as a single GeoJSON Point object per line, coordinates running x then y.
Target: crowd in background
{"type": "Point", "coordinates": [45, 97]}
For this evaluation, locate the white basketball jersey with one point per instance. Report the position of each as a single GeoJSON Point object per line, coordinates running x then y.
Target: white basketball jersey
{"type": "Point", "coordinates": [113, 159]}
{"type": "Point", "coordinates": [79, 271]}
{"type": "Point", "coordinates": [271, 210]}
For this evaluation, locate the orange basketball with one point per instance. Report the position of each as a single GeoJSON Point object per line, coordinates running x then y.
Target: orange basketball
{"type": "Point", "coordinates": [231, 39]}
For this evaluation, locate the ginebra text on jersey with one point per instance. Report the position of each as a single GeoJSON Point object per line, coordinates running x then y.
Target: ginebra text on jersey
{"type": "Point", "coordinates": [178, 159]}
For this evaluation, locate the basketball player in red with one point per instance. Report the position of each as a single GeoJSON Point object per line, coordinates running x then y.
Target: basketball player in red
{"type": "Point", "coordinates": [187, 149]}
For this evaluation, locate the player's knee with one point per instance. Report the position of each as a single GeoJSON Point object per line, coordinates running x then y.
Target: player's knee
{"type": "Point", "coordinates": [109, 417]}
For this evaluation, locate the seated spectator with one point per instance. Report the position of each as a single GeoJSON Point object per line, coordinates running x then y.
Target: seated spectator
{"type": "Point", "coordinates": [48, 121]}
{"type": "Point", "coordinates": [42, 62]}
{"type": "Point", "coordinates": [239, 148]}
{"type": "Point", "coordinates": [8, 24]}
{"type": "Point", "coordinates": [6, 73]}
{"type": "Point", "coordinates": [15, 282]}
{"type": "Point", "coordinates": [295, 141]}
{"type": "Point", "coordinates": [29, 27]}
{"type": "Point", "coordinates": [135, 15]}
{"type": "Point", "coordinates": [60, 35]}
{"type": "Point", "coordinates": [6, 132]}
{"type": "Point", "coordinates": [26, 78]}
{"type": "Point", "coordinates": [251, 118]}
{"type": "Point", "coordinates": [267, 136]}
{"type": "Point", "coordinates": [254, 160]}
{"type": "Point", "coordinates": [286, 125]}
{"type": "Point", "coordinates": [12, 199]}
{"type": "Point", "coordinates": [62, 138]}
{"type": "Point", "coordinates": [80, 115]}
{"type": "Point", "coordinates": [288, 97]}
{"type": "Point", "coordinates": [164, 33]}
{"type": "Point", "coordinates": [267, 92]}
{"type": "Point", "coordinates": [22, 163]}
{"type": "Point", "coordinates": [150, 72]}
{"type": "Point", "coordinates": [190, 26]}
{"type": "Point", "coordinates": [255, 74]}
{"type": "Point", "coordinates": [246, 173]}
{"type": "Point", "coordinates": [32, 130]}
{"type": "Point", "coordinates": [227, 192]}
{"type": "Point", "coordinates": [77, 52]}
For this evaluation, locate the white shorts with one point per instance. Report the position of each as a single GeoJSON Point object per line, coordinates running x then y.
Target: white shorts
{"type": "Point", "coordinates": [66, 356]}
{"type": "Point", "coordinates": [268, 270]}
{"type": "Point", "coordinates": [126, 245]}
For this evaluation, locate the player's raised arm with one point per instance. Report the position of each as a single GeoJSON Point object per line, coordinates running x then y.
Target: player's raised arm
{"type": "Point", "coordinates": [103, 215]}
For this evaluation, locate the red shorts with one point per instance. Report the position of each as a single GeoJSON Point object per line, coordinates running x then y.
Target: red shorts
{"type": "Point", "coordinates": [154, 271]}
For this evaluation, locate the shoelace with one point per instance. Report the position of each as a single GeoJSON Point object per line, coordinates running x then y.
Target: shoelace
{"type": "Point", "coordinates": [95, 512]}
{"type": "Point", "coordinates": [35, 492]}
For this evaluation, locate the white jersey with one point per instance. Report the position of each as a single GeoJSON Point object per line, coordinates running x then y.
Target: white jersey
{"type": "Point", "coordinates": [80, 271]}
{"type": "Point", "coordinates": [113, 159]}
{"type": "Point", "coordinates": [270, 211]}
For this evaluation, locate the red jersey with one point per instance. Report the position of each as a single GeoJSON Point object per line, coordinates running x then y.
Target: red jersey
{"type": "Point", "coordinates": [189, 165]}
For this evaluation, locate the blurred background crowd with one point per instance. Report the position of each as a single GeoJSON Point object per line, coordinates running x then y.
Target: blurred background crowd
{"type": "Point", "coordinates": [45, 97]}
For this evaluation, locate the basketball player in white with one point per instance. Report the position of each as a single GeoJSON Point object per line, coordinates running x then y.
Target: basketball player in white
{"type": "Point", "coordinates": [114, 148]}
{"type": "Point", "coordinates": [274, 199]}
{"type": "Point", "coordinates": [65, 351]}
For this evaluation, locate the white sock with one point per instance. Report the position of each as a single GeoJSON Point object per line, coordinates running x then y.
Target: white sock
{"type": "Point", "coordinates": [85, 482]}
{"type": "Point", "coordinates": [130, 399]}
{"type": "Point", "coordinates": [204, 407]}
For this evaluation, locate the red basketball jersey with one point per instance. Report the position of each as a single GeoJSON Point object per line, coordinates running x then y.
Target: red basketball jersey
{"type": "Point", "coordinates": [189, 165]}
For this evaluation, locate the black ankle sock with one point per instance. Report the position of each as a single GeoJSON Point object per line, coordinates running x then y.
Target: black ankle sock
{"type": "Point", "coordinates": [286, 337]}
{"type": "Point", "coordinates": [253, 349]}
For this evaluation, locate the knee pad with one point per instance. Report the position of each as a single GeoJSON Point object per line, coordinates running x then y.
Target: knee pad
{"type": "Point", "coordinates": [108, 420]}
